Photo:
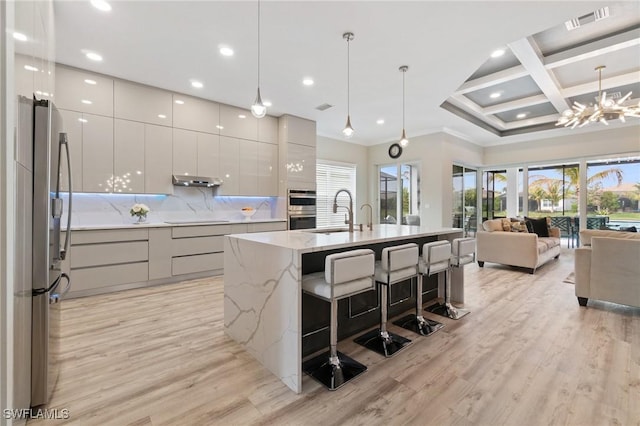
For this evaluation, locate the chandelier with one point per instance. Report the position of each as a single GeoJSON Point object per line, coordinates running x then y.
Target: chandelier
{"type": "Point", "coordinates": [606, 109]}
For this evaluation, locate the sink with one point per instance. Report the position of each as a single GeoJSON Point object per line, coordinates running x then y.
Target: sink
{"type": "Point", "coordinates": [326, 231]}
{"type": "Point", "coordinates": [194, 221]}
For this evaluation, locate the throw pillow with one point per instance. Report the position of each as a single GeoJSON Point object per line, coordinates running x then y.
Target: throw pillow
{"type": "Point", "coordinates": [628, 229]}
{"type": "Point", "coordinates": [539, 226]}
{"type": "Point", "coordinates": [492, 225]}
{"type": "Point", "coordinates": [506, 224]}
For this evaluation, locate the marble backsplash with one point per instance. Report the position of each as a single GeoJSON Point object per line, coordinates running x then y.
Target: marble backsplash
{"type": "Point", "coordinates": [185, 204]}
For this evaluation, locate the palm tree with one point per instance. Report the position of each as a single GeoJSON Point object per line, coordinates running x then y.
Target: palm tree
{"type": "Point", "coordinates": [573, 180]}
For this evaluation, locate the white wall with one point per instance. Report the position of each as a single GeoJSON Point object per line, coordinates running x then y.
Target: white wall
{"type": "Point", "coordinates": [345, 152]}
{"type": "Point", "coordinates": [435, 154]}
{"type": "Point", "coordinates": [603, 143]}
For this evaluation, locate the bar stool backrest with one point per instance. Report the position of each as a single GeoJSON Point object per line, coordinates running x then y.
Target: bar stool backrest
{"type": "Point", "coordinates": [436, 256]}
{"type": "Point", "coordinates": [342, 268]}
{"type": "Point", "coordinates": [400, 257]}
{"type": "Point", "coordinates": [464, 251]}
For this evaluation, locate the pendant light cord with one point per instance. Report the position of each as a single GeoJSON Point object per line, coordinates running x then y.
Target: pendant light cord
{"type": "Point", "coordinates": [403, 73]}
{"type": "Point", "coordinates": [348, 75]}
{"type": "Point", "coordinates": [258, 43]}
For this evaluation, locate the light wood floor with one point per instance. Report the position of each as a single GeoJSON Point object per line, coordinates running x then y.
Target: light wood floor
{"type": "Point", "coordinates": [526, 355]}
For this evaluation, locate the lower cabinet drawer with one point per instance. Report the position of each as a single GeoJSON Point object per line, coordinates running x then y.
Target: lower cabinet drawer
{"type": "Point", "coordinates": [108, 254]}
{"type": "Point", "coordinates": [197, 263]}
{"type": "Point", "coordinates": [267, 226]}
{"type": "Point", "coordinates": [196, 245]}
{"type": "Point", "coordinates": [106, 276]}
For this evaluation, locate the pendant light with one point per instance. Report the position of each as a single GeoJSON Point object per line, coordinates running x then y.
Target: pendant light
{"type": "Point", "coordinates": [258, 109]}
{"type": "Point", "coordinates": [403, 139]}
{"type": "Point", "coordinates": [348, 130]}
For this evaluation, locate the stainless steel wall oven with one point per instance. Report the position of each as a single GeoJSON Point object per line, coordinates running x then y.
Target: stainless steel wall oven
{"type": "Point", "coordinates": [301, 209]}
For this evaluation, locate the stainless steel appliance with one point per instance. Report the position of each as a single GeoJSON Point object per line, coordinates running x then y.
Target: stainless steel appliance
{"type": "Point", "coordinates": [50, 152]}
{"type": "Point", "coordinates": [301, 209]}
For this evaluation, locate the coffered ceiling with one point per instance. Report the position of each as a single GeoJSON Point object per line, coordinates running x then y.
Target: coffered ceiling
{"type": "Point", "coordinates": [538, 77]}
{"type": "Point", "coordinates": [445, 44]}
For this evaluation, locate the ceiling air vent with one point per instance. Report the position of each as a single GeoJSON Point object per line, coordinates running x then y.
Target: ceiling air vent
{"type": "Point", "coordinates": [323, 107]}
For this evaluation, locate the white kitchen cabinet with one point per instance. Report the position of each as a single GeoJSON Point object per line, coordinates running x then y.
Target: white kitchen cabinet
{"type": "Point", "coordinates": [267, 169]}
{"type": "Point", "coordinates": [229, 166]}
{"type": "Point", "coordinates": [297, 130]}
{"type": "Point", "coordinates": [268, 129]}
{"type": "Point", "coordinates": [158, 154]}
{"type": "Point", "coordinates": [238, 123]}
{"type": "Point", "coordinates": [72, 126]}
{"type": "Point", "coordinates": [196, 114]}
{"type": "Point", "coordinates": [300, 166]}
{"type": "Point", "coordinates": [129, 157]}
{"type": "Point", "coordinates": [83, 91]}
{"type": "Point", "coordinates": [185, 152]}
{"type": "Point", "coordinates": [97, 153]}
{"type": "Point", "coordinates": [208, 155]}
{"type": "Point", "coordinates": [248, 184]}
{"type": "Point", "coordinates": [142, 103]}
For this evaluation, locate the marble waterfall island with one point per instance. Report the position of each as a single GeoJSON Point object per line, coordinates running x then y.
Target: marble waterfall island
{"type": "Point", "coordinates": [263, 292]}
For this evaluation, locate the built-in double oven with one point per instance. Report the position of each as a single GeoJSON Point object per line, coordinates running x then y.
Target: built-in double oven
{"type": "Point", "coordinates": [301, 209]}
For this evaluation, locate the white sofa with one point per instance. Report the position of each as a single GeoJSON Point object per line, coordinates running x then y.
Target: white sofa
{"type": "Point", "coordinates": [522, 249]}
{"type": "Point", "coordinates": [607, 267]}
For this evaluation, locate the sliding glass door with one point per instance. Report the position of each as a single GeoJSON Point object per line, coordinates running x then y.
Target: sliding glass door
{"type": "Point", "coordinates": [464, 199]}
{"type": "Point", "coordinates": [399, 193]}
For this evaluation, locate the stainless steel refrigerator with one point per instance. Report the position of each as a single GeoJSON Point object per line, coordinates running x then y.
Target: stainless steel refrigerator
{"type": "Point", "coordinates": [49, 152]}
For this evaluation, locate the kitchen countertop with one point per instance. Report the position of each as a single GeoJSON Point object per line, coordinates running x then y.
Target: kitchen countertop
{"type": "Point", "coordinates": [173, 223]}
{"type": "Point", "coordinates": [308, 241]}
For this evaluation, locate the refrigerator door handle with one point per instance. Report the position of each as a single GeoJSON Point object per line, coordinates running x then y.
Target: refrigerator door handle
{"type": "Point", "coordinates": [64, 142]}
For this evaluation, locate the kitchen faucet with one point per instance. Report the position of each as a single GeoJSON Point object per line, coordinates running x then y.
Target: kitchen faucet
{"type": "Point", "coordinates": [348, 221]}
{"type": "Point", "coordinates": [369, 222]}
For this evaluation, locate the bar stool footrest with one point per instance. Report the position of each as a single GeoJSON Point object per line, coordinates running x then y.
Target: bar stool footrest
{"type": "Point", "coordinates": [374, 341]}
{"type": "Point", "coordinates": [425, 328]}
{"type": "Point", "coordinates": [330, 375]}
{"type": "Point", "coordinates": [447, 311]}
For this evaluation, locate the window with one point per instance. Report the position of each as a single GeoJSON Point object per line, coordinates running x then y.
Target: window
{"type": "Point", "coordinates": [403, 179]}
{"type": "Point", "coordinates": [464, 199]}
{"type": "Point", "coordinates": [331, 177]}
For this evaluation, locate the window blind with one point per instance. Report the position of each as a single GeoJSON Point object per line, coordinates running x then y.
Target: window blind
{"type": "Point", "coordinates": [331, 177]}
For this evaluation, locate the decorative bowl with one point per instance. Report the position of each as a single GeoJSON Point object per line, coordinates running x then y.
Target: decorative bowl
{"type": "Point", "coordinates": [248, 212]}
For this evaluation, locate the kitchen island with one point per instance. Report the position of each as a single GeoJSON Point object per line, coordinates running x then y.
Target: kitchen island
{"type": "Point", "coordinates": [263, 300]}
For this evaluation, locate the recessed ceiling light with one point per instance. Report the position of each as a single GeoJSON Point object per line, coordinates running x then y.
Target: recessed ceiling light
{"type": "Point", "coordinates": [93, 56]}
{"type": "Point", "coordinates": [226, 51]}
{"type": "Point", "coordinates": [179, 102]}
{"type": "Point", "coordinates": [86, 102]}
{"type": "Point", "coordinates": [521, 115]}
{"type": "Point", "coordinates": [495, 95]}
{"type": "Point", "coordinates": [19, 36]}
{"type": "Point", "coordinates": [219, 127]}
{"type": "Point", "coordinates": [242, 116]}
{"type": "Point", "coordinates": [497, 53]}
{"type": "Point", "coordinates": [307, 81]}
{"type": "Point", "coordinates": [162, 116]}
{"type": "Point", "coordinates": [380, 121]}
{"type": "Point", "coordinates": [89, 81]}
{"type": "Point", "coordinates": [83, 120]}
{"type": "Point", "coordinates": [266, 103]}
{"type": "Point", "coordinates": [101, 5]}
{"type": "Point", "coordinates": [30, 68]}
{"type": "Point", "coordinates": [197, 84]}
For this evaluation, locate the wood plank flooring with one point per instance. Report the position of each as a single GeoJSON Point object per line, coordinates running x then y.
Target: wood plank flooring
{"type": "Point", "coordinates": [526, 355]}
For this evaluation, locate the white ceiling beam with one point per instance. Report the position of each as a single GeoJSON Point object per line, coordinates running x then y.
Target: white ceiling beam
{"type": "Point", "coordinates": [519, 103]}
{"type": "Point", "coordinates": [471, 107]}
{"type": "Point", "coordinates": [592, 50]}
{"type": "Point", "coordinates": [608, 83]}
{"type": "Point", "coordinates": [529, 55]}
{"type": "Point", "coordinates": [532, 121]}
{"type": "Point", "coordinates": [492, 79]}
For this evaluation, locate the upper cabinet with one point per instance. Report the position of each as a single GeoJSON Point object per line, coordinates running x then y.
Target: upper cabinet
{"type": "Point", "coordinates": [268, 129]}
{"type": "Point", "coordinates": [142, 103]}
{"type": "Point", "coordinates": [196, 114]}
{"type": "Point", "coordinates": [128, 154]}
{"type": "Point", "coordinates": [297, 130]}
{"type": "Point", "coordinates": [238, 123]}
{"type": "Point", "coordinates": [83, 91]}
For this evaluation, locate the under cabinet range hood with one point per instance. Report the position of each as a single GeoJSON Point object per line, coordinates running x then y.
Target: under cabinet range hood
{"type": "Point", "coordinates": [188, 180]}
